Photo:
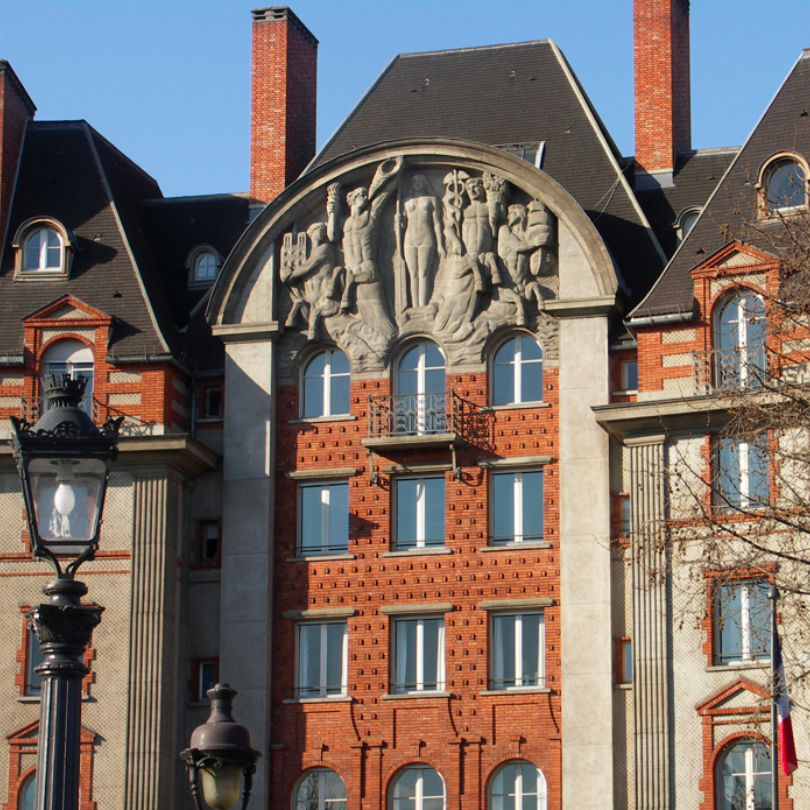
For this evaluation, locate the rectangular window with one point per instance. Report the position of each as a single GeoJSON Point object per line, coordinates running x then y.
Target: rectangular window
{"type": "Point", "coordinates": [212, 402]}
{"type": "Point", "coordinates": [322, 659]}
{"type": "Point", "coordinates": [419, 512]}
{"type": "Point", "coordinates": [743, 472]}
{"type": "Point", "coordinates": [630, 375]}
{"type": "Point", "coordinates": [517, 507]}
{"type": "Point", "coordinates": [742, 617]}
{"type": "Point", "coordinates": [33, 658]}
{"type": "Point", "coordinates": [624, 660]}
{"type": "Point", "coordinates": [209, 541]}
{"type": "Point", "coordinates": [517, 650]}
{"type": "Point", "coordinates": [206, 674]}
{"type": "Point", "coordinates": [418, 655]}
{"type": "Point", "coordinates": [324, 518]}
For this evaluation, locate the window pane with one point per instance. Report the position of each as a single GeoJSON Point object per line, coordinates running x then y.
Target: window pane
{"type": "Point", "coordinates": [531, 381]}
{"type": "Point", "coordinates": [503, 507]}
{"type": "Point", "coordinates": [758, 472]}
{"type": "Point", "coordinates": [434, 511]}
{"type": "Point", "coordinates": [405, 655]}
{"type": "Point", "coordinates": [406, 494]}
{"type": "Point", "coordinates": [433, 357]}
{"type": "Point", "coordinates": [313, 396]}
{"type": "Point", "coordinates": [532, 505]}
{"type": "Point", "coordinates": [504, 652]}
{"type": "Point", "coordinates": [405, 785]}
{"type": "Point", "coordinates": [32, 251]}
{"type": "Point", "coordinates": [759, 619]}
{"type": "Point", "coordinates": [309, 664]}
{"type": "Point", "coordinates": [335, 633]}
{"type": "Point", "coordinates": [730, 624]}
{"type": "Point", "coordinates": [339, 400]}
{"type": "Point", "coordinates": [630, 376]}
{"type": "Point", "coordinates": [786, 185]}
{"type": "Point", "coordinates": [503, 385]}
{"type": "Point", "coordinates": [431, 674]}
{"type": "Point", "coordinates": [729, 480]}
{"type": "Point", "coordinates": [311, 519]}
{"type": "Point", "coordinates": [529, 349]}
{"type": "Point", "coordinates": [338, 517]}
{"type": "Point", "coordinates": [531, 652]}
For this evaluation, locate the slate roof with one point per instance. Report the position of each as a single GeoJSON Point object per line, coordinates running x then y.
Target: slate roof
{"type": "Point", "coordinates": [132, 244]}
{"type": "Point", "coordinates": [505, 95]}
{"type": "Point", "coordinates": [785, 126]}
{"type": "Point", "coordinates": [696, 175]}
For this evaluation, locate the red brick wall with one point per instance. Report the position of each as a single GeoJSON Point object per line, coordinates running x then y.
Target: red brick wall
{"type": "Point", "coordinates": [16, 109]}
{"type": "Point", "coordinates": [662, 94]}
{"type": "Point", "coordinates": [464, 737]}
{"type": "Point", "coordinates": [283, 97]}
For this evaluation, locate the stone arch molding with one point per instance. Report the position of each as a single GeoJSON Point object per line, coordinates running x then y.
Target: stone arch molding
{"type": "Point", "coordinates": [449, 238]}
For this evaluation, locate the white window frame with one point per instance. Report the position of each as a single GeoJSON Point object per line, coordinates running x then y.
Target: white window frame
{"type": "Point", "coordinates": [746, 588]}
{"type": "Point", "coordinates": [324, 803]}
{"type": "Point", "coordinates": [498, 684]}
{"type": "Point", "coordinates": [195, 280]}
{"type": "Point", "coordinates": [517, 363]}
{"type": "Point", "coordinates": [427, 421]}
{"type": "Point", "coordinates": [750, 775]}
{"type": "Point", "coordinates": [740, 486]}
{"type": "Point", "coordinates": [44, 232]}
{"type": "Point", "coordinates": [74, 358]}
{"type": "Point", "coordinates": [42, 226]}
{"type": "Point", "coordinates": [517, 506]}
{"type": "Point", "coordinates": [400, 655]}
{"type": "Point", "coordinates": [517, 787]}
{"type": "Point", "coordinates": [419, 797]}
{"type": "Point", "coordinates": [321, 690]}
{"type": "Point", "coordinates": [626, 364]}
{"type": "Point", "coordinates": [744, 354]}
{"type": "Point", "coordinates": [326, 517]}
{"type": "Point", "coordinates": [328, 375]}
{"type": "Point", "coordinates": [420, 513]}
{"type": "Point", "coordinates": [769, 208]}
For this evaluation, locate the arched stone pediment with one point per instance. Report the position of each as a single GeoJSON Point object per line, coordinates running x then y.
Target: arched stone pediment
{"type": "Point", "coordinates": [440, 237]}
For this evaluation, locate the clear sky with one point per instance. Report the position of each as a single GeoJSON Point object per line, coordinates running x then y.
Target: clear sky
{"type": "Point", "coordinates": [168, 81]}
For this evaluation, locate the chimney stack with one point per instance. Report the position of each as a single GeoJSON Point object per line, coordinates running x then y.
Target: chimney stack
{"type": "Point", "coordinates": [16, 110]}
{"type": "Point", "coordinates": [662, 93]}
{"type": "Point", "coordinates": [282, 126]}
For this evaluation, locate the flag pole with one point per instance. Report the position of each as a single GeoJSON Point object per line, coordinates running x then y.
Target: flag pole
{"type": "Point", "coordinates": [773, 595]}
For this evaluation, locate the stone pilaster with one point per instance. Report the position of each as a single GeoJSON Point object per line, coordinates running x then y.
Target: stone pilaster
{"type": "Point", "coordinates": [151, 720]}
{"type": "Point", "coordinates": [651, 676]}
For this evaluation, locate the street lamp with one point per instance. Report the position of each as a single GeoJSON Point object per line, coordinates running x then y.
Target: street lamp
{"type": "Point", "coordinates": [221, 753]}
{"type": "Point", "coordinates": [64, 462]}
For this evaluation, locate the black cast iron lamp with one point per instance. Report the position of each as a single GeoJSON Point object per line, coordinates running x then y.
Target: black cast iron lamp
{"type": "Point", "coordinates": [64, 462]}
{"type": "Point", "coordinates": [221, 753]}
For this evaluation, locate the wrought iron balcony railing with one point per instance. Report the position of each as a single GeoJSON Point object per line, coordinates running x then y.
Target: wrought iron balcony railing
{"type": "Point", "coordinates": [728, 369]}
{"type": "Point", "coordinates": [31, 408]}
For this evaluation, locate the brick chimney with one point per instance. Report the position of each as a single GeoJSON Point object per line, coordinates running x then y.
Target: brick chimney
{"type": "Point", "coordinates": [662, 95]}
{"type": "Point", "coordinates": [282, 126]}
{"type": "Point", "coordinates": [16, 110]}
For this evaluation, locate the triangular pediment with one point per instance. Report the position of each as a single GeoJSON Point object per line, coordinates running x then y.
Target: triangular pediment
{"type": "Point", "coordinates": [29, 734]}
{"type": "Point", "coordinates": [739, 697]}
{"type": "Point", "coordinates": [735, 257]}
{"type": "Point", "coordinates": [67, 308]}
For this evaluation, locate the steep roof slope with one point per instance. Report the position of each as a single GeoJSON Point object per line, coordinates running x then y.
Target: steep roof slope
{"type": "Point", "coordinates": [510, 95]}
{"type": "Point", "coordinates": [785, 126]}
{"type": "Point", "coordinates": [62, 176]}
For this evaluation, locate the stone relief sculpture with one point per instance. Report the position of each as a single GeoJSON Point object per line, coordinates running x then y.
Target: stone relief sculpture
{"type": "Point", "coordinates": [463, 265]}
{"type": "Point", "coordinates": [419, 242]}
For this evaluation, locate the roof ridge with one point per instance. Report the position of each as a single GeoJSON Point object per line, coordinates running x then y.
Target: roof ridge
{"type": "Point", "coordinates": [504, 45]}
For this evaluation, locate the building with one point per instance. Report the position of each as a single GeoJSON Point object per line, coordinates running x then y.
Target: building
{"type": "Point", "coordinates": [400, 423]}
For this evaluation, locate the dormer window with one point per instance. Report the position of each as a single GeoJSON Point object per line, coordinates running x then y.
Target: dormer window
{"type": "Point", "coordinates": [44, 249]}
{"type": "Point", "coordinates": [783, 185]}
{"type": "Point", "coordinates": [203, 265]}
{"type": "Point", "coordinates": [686, 219]}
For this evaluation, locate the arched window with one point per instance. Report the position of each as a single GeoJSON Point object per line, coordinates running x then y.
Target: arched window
{"type": "Point", "coordinates": [73, 358]}
{"type": "Point", "coordinates": [420, 403]}
{"type": "Point", "coordinates": [744, 777]}
{"type": "Point", "coordinates": [685, 220]}
{"type": "Point", "coordinates": [784, 185]}
{"type": "Point", "coordinates": [43, 251]}
{"type": "Point", "coordinates": [739, 340]}
{"type": "Point", "coordinates": [517, 371]}
{"type": "Point", "coordinates": [27, 793]}
{"type": "Point", "coordinates": [326, 385]}
{"type": "Point", "coordinates": [417, 787]}
{"type": "Point", "coordinates": [205, 266]}
{"type": "Point", "coordinates": [320, 789]}
{"type": "Point", "coordinates": [517, 784]}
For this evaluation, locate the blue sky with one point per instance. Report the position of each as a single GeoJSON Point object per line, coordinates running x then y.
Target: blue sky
{"type": "Point", "coordinates": [168, 81]}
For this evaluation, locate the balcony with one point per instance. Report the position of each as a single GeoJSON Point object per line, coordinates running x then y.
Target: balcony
{"type": "Point", "coordinates": [419, 421]}
{"type": "Point", "coordinates": [31, 408]}
{"type": "Point", "coordinates": [728, 369]}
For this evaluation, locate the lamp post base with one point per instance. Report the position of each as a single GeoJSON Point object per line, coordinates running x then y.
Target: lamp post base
{"type": "Point", "coordinates": [63, 627]}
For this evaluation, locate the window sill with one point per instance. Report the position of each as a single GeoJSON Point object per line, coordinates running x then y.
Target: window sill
{"type": "Point", "coordinates": [320, 557]}
{"type": "Point", "coordinates": [517, 690]}
{"type": "Point", "coordinates": [335, 699]}
{"type": "Point", "coordinates": [38, 699]}
{"type": "Point", "coordinates": [623, 687]}
{"type": "Point", "coordinates": [416, 695]}
{"type": "Point", "coordinates": [732, 667]}
{"type": "Point", "coordinates": [40, 275]}
{"type": "Point", "coordinates": [513, 406]}
{"type": "Point", "coordinates": [629, 392]}
{"type": "Point", "coordinates": [417, 552]}
{"type": "Point", "coordinates": [208, 420]}
{"type": "Point", "coordinates": [198, 704]}
{"type": "Point", "coordinates": [314, 420]}
{"type": "Point", "coordinates": [532, 544]}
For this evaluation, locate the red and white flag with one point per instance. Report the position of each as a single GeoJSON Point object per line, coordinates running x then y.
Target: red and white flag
{"type": "Point", "coordinates": [787, 749]}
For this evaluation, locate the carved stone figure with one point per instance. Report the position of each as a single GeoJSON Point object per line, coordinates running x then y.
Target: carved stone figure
{"type": "Point", "coordinates": [360, 232]}
{"type": "Point", "coordinates": [515, 247]}
{"type": "Point", "coordinates": [452, 203]}
{"type": "Point", "coordinates": [419, 217]}
{"type": "Point", "coordinates": [542, 229]}
{"type": "Point", "coordinates": [312, 280]}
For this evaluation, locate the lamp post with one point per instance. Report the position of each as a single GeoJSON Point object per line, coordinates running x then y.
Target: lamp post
{"type": "Point", "coordinates": [221, 755]}
{"type": "Point", "coordinates": [64, 462]}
